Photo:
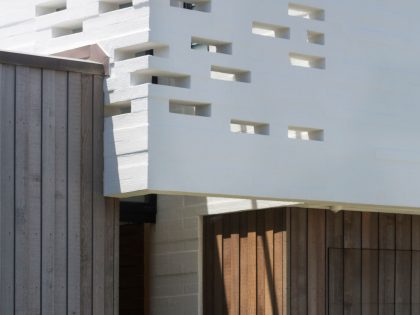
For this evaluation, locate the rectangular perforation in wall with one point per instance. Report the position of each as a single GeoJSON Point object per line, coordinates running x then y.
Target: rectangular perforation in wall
{"type": "Point", "coordinates": [230, 74]}
{"type": "Point", "coordinates": [194, 5]}
{"type": "Point", "coordinates": [105, 6]}
{"type": "Point", "coordinates": [306, 12]}
{"type": "Point", "coordinates": [210, 45]}
{"type": "Point", "coordinates": [306, 61]}
{"type": "Point", "coordinates": [135, 51]}
{"type": "Point", "coordinates": [306, 134]}
{"type": "Point", "coordinates": [249, 127]}
{"type": "Point", "coordinates": [270, 30]}
{"type": "Point", "coordinates": [315, 37]}
{"type": "Point", "coordinates": [160, 78]}
{"type": "Point", "coordinates": [67, 30]}
{"type": "Point", "coordinates": [50, 7]}
{"type": "Point", "coordinates": [190, 108]}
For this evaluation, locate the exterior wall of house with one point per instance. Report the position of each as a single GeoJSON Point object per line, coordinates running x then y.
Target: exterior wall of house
{"type": "Point", "coordinates": [287, 101]}
{"type": "Point", "coordinates": [58, 233]}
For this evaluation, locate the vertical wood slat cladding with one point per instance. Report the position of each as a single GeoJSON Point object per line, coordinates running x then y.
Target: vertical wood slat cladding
{"type": "Point", "coordinates": [58, 234]}
{"type": "Point", "coordinates": [311, 261]}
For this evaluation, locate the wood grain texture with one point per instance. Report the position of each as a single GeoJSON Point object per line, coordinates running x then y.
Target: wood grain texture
{"type": "Point", "coordinates": [7, 184]}
{"type": "Point", "coordinates": [51, 125]}
{"type": "Point", "coordinates": [54, 192]}
{"type": "Point", "coordinates": [28, 191]}
{"type": "Point", "coordinates": [313, 261]}
{"type": "Point", "coordinates": [316, 266]}
{"type": "Point", "coordinates": [74, 179]}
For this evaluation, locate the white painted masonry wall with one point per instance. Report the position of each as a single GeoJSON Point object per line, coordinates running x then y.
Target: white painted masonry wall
{"type": "Point", "coordinates": [324, 110]}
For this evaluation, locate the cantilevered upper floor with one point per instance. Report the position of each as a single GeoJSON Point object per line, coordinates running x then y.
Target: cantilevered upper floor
{"type": "Point", "coordinates": [312, 100]}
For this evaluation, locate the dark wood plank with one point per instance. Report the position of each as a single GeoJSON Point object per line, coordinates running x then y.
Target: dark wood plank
{"type": "Point", "coordinates": [335, 240]}
{"type": "Point", "coordinates": [280, 278]}
{"type": "Point", "coordinates": [252, 263]}
{"type": "Point", "coordinates": [335, 281]}
{"type": "Point", "coordinates": [352, 281]}
{"type": "Point", "coordinates": [261, 264]}
{"type": "Point", "coordinates": [244, 261]}
{"type": "Point", "coordinates": [116, 255]}
{"type": "Point", "coordinates": [100, 292]}
{"type": "Point", "coordinates": [219, 292]}
{"type": "Point", "coordinates": [235, 265]}
{"type": "Point", "coordinates": [110, 253]}
{"type": "Point", "coordinates": [227, 264]}
{"type": "Point", "coordinates": [146, 270]}
{"type": "Point", "coordinates": [370, 260]}
{"type": "Point", "coordinates": [7, 184]}
{"type": "Point", "coordinates": [316, 262]}
{"type": "Point", "coordinates": [352, 229]}
{"type": "Point", "coordinates": [415, 259]}
{"type": "Point", "coordinates": [370, 232]}
{"type": "Point", "coordinates": [54, 192]}
{"type": "Point", "coordinates": [74, 195]}
{"type": "Point", "coordinates": [370, 278]}
{"type": "Point", "coordinates": [403, 282]}
{"type": "Point", "coordinates": [270, 306]}
{"type": "Point", "coordinates": [298, 262]}
{"type": "Point", "coordinates": [208, 242]}
{"type": "Point", "coordinates": [386, 231]}
{"type": "Point", "coordinates": [28, 191]}
{"type": "Point", "coordinates": [86, 216]}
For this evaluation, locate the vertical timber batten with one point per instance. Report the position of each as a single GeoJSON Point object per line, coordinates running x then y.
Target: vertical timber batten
{"type": "Point", "coordinates": [58, 234]}
{"type": "Point", "coordinates": [327, 263]}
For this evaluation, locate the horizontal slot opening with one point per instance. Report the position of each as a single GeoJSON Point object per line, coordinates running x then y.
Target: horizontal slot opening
{"type": "Point", "coordinates": [64, 31]}
{"type": "Point", "coordinates": [126, 53]}
{"type": "Point", "coordinates": [195, 5]}
{"type": "Point", "coordinates": [190, 108]}
{"type": "Point", "coordinates": [114, 110]}
{"type": "Point", "coordinates": [212, 46]}
{"type": "Point", "coordinates": [316, 38]}
{"type": "Point", "coordinates": [307, 61]}
{"type": "Point", "coordinates": [105, 6]}
{"type": "Point", "coordinates": [306, 12]}
{"type": "Point", "coordinates": [306, 134]}
{"type": "Point", "coordinates": [182, 81]}
{"type": "Point", "coordinates": [270, 30]}
{"type": "Point", "coordinates": [45, 9]}
{"type": "Point", "coordinates": [229, 74]}
{"type": "Point", "coordinates": [249, 127]}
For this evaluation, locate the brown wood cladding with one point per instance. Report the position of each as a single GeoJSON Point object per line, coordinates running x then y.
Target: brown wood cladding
{"type": "Point", "coordinates": [309, 261]}
{"type": "Point", "coordinates": [57, 231]}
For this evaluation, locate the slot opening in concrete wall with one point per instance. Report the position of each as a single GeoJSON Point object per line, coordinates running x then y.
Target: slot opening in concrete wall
{"type": "Point", "coordinates": [306, 12]}
{"type": "Point", "coordinates": [270, 30]}
{"type": "Point", "coordinates": [190, 108]}
{"type": "Point", "coordinates": [316, 38]}
{"type": "Point", "coordinates": [213, 46]}
{"type": "Point", "coordinates": [249, 127]}
{"type": "Point", "coordinates": [196, 5]}
{"type": "Point", "coordinates": [67, 30]}
{"type": "Point", "coordinates": [230, 74]}
{"type": "Point", "coordinates": [307, 61]}
{"type": "Point", "coordinates": [131, 52]}
{"type": "Point", "coordinates": [118, 109]}
{"type": "Point", "coordinates": [160, 78]}
{"type": "Point", "coordinates": [306, 134]}
{"type": "Point", "coordinates": [50, 7]}
{"type": "Point", "coordinates": [105, 6]}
